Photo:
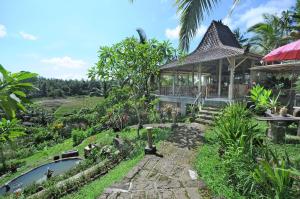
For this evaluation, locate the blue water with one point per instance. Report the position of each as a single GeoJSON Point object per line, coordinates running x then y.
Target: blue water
{"type": "Point", "coordinates": [37, 175]}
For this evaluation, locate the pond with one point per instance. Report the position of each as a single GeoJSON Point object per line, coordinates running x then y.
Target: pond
{"type": "Point", "coordinates": [39, 174]}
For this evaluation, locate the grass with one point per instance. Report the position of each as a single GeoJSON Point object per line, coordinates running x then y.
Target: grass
{"type": "Point", "coordinates": [212, 170]}
{"type": "Point", "coordinates": [63, 106]}
{"type": "Point", "coordinates": [96, 188]}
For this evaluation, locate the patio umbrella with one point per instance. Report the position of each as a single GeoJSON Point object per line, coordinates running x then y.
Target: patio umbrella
{"type": "Point", "coordinates": [289, 51]}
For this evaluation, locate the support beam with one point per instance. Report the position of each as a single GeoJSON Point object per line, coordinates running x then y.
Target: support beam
{"type": "Point", "coordinates": [231, 67]}
{"type": "Point", "coordinates": [220, 77]}
{"type": "Point", "coordinates": [193, 76]}
{"type": "Point", "coordinates": [173, 83]}
{"type": "Point", "coordinates": [199, 78]}
{"type": "Point", "coordinates": [160, 77]}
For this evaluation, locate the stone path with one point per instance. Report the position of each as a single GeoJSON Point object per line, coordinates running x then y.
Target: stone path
{"type": "Point", "coordinates": [171, 176]}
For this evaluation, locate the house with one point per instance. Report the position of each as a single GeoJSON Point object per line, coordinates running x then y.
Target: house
{"type": "Point", "coordinates": [217, 71]}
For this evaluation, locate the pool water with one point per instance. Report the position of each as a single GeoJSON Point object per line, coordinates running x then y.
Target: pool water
{"type": "Point", "coordinates": [38, 174]}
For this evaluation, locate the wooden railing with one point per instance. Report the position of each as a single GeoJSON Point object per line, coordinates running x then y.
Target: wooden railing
{"type": "Point", "coordinates": [189, 91]}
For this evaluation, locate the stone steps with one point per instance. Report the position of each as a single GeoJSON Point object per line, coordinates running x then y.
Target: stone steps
{"type": "Point", "coordinates": [207, 114]}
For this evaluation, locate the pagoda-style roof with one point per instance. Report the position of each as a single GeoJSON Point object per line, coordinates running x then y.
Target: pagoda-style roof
{"type": "Point", "coordinates": [218, 42]}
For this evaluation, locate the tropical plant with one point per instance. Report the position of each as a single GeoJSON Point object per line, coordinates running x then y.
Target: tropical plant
{"type": "Point", "coordinates": [8, 132]}
{"type": "Point", "coordinates": [261, 97]}
{"type": "Point", "coordinates": [235, 129]}
{"type": "Point", "coordinates": [241, 37]}
{"type": "Point", "coordinates": [12, 90]}
{"type": "Point", "coordinates": [274, 176]}
{"type": "Point", "coordinates": [272, 33]}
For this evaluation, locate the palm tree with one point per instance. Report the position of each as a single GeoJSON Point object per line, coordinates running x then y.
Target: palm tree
{"type": "Point", "coordinates": [269, 34]}
{"type": "Point", "coordinates": [192, 13]}
{"type": "Point", "coordinates": [241, 38]}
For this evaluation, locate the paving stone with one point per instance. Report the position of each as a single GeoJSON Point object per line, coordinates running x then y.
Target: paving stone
{"type": "Point", "coordinates": [166, 177]}
{"type": "Point", "coordinates": [193, 193]}
{"type": "Point", "coordinates": [167, 194]}
{"type": "Point", "coordinates": [180, 193]}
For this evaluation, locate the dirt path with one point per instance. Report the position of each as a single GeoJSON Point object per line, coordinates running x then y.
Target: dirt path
{"type": "Point", "coordinates": [170, 176]}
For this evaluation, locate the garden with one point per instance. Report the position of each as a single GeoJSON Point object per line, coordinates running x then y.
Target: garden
{"type": "Point", "coordinates": [239, 160]}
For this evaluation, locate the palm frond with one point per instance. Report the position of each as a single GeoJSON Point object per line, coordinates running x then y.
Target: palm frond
{"type": "Point", "coordinates": [192, 13]}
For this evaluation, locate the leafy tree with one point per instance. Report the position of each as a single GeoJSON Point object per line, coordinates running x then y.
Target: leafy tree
{"type": "Point", "coordinates": [12, 90]}
{"type": "Point", "coordinates": [270, 34]}
{"type": "Point", "coordinates": [132, 63]}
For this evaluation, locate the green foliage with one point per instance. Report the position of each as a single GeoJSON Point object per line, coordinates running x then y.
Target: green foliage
{"type": "Point", "coordinates": [78, 136]}
{"type": "Point", "coordinates": [235, 129]}
{"type": "Point", "coordinates": [12, 90]}
{"type": "Point", "coordinates": [261, 97]}
{"type": "Point", "coordinates": [244, 159]}
{"type": "Point", "coordinates": [58, 88]}
{"type": "Point", "coordinates": [130, 62]}
{"type": "Point", "coordinates": [212, 169]}
{"type": "Point", "coordinates": [274, 177]}
{"type": "Point", "coordinates": [8, 130]}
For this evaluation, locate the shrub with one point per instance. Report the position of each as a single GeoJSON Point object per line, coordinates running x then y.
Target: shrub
{"type": "Point", "coordinates": [78, 136]}
{"type": "Point", "coordinates": [235, 129]}
{"type": "Point", "coordinates": [274, 177]}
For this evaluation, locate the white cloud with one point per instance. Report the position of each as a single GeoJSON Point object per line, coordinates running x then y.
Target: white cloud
{"type": "Point", "coordinates": [254, 15]}
{"type": "Point", "coordinates": [173, 34]}
{"type": "Point", "coordinates": [28, 36]}
{"type": "Point", "coordinates": [66, 62]}
{"type": "Point", "coordinates": [2, 31]}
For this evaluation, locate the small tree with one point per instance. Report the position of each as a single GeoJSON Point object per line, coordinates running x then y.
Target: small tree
{"type": "Point", "coordinates": [12, 97]}
{"type": "Point", "coordinates": [135, 65]}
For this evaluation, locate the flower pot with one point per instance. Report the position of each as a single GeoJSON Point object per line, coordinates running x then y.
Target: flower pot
{"type": "Point", "coordinates": [283, 111]}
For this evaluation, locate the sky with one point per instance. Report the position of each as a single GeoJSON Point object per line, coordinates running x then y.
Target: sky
{"type": "Point", "coordinates": [60, 38]}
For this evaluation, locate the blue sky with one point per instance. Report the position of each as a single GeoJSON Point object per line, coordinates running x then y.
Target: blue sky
{"type": "Point", "coordinates": [60, 38]}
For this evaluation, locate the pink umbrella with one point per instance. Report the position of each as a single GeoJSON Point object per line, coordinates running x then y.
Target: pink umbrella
{"type": "Point", "coordinates": [289, 51]}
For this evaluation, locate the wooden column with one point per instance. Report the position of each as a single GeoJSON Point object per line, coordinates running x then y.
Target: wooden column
{"type": "Point", "coordinates": [231, 80]}
{"type": "Point", "coordinates": [199, 77]}
{"type": "Point", "coordinates": [193, 76]}
{"type": "Point", "coordinates": [173, 83]}
{"type": "Point", "coordinates": [220, 77]}
{"type": "Point", "coordinates": [159, 82]}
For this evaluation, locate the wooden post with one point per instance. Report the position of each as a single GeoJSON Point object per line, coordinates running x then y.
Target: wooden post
{"type": "Point", "coordinates": [193, 76]}
{"type": "Point", "coordinates": [220, 77]}
{"type": "Point", "coordinates": [173, 84]}
{"type": "Point", "coordinates": [231, 82]}
{"type": "Point", "coordinates": [199, 77]}
{"type": "Point", "coordinates": [159, 83]}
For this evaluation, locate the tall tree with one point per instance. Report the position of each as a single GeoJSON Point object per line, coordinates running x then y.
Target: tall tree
{"type": "Point", "coordinates": [270, 34]}
{"type": "Point", "coordinates": [132, 63]}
